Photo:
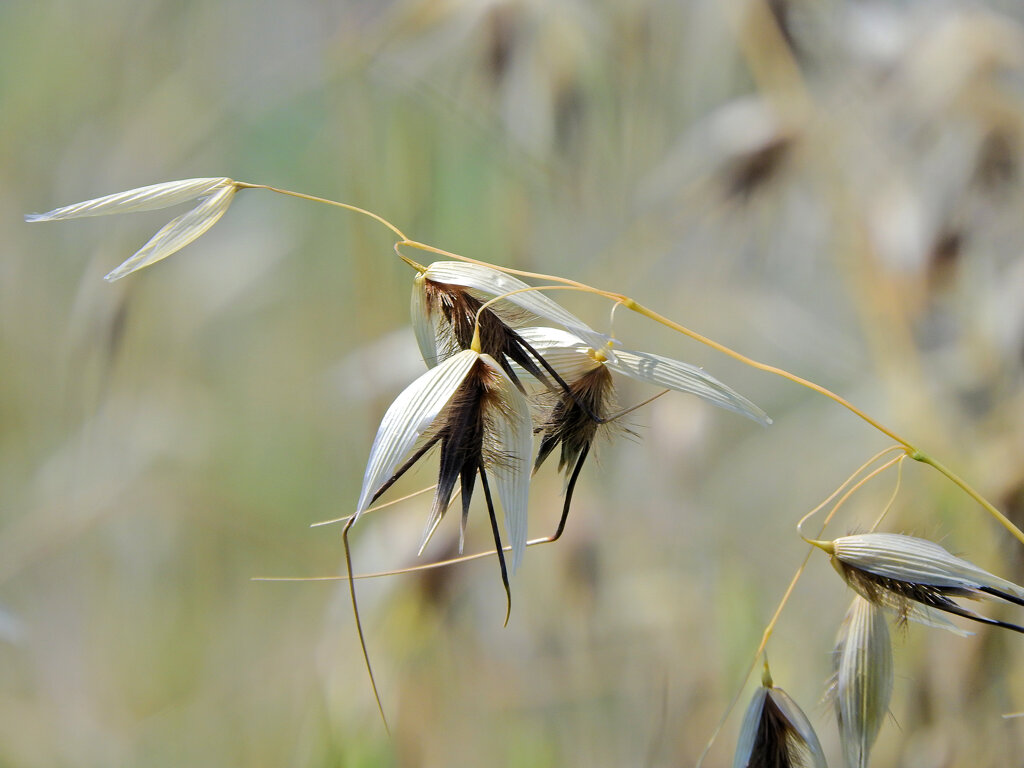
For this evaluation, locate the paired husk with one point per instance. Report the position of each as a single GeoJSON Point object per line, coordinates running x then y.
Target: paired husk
{"type": "Point", "coordinates": [214, 195]}
{"type": "Point", "coordinates": [575, 355]}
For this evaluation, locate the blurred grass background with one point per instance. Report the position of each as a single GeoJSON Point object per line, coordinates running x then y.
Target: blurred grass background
{"type": "Point", "coordinates": [168, 437]}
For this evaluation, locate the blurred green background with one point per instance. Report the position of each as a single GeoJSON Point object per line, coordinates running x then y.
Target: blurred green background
{"type": "Point", "coordinates": [168, 437]}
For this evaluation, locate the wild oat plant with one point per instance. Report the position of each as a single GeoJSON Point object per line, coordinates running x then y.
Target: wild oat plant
{"type": "Point", "coordinates": [511, 377]}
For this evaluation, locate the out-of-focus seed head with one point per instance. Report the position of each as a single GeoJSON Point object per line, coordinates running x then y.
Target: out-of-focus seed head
{"type": "Point", "coordinates": [776, 733]}
{"type": "Point", "coordinates": [862, 681]}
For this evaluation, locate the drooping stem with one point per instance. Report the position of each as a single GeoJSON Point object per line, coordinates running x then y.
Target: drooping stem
{"type": "Point", "coordinates": [359, 623]}
{"type": "Point", "coordinates": [325, 201]}
{"type": "Point", "coordinates": [924, 458]}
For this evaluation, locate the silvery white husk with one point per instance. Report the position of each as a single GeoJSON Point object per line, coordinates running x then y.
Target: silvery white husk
{"type": "Point", "coordinates": [915, 577]}
{"type": "Point", "coordinates": [862, 680]}
{"type": "Point", "coordinates": [509, 430]}
{"type": "Point", "coordinates": [214, 195]}
{"type": "Point", "coordinates": [572, 355]}
{"type": "Point", "coordinates": [776, 732]}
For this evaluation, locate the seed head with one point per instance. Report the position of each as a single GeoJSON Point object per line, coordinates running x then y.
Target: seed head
{"type": "Point", "coordinates": [446, 298]}
{"type": "Point", "coordinates": [215, 195]}
{"type": "Point", "coordinates": [482, 422]}
{"type": "Point", "coordinates": [572, 355]}
{"type": "Point", "coordinates": [862, 681]}
{"type": "Point", "coordinates": [571, 420]}
{"type": "Point", "coordinates": [776, 733]}
{"type": "Point", "coordinates": [914, 577]}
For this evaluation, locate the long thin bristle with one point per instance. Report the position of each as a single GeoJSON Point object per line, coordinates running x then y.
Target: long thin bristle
{"type": "Point", "coordinates": [359, 623]}
{"type": "Point", "coordinates": [1007, 596]}
{"type": "Point", "coordinates": [570, 422]}
{"type": "Point", "coordinates": [497, 542]}
{"type": "Point", "coordinates": [903, 593]}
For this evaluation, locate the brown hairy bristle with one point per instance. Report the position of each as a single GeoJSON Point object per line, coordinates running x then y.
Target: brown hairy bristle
{"type": "Point", "coordinates": [901, 593]}
{"type": "Point", "coordinates": [755, 170]}
{"type": "Point", "coordinates": [571, 422]}
{"type": "Point", "coordinates": [459, 308]}
{"type": "Point", "coordinates": [465, 429]}
{"type": "Point", "coordinates": [777, 744]}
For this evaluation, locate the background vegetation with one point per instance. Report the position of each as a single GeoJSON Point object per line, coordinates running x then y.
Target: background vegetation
{"type": "Point", "coordinates": [166, 438]}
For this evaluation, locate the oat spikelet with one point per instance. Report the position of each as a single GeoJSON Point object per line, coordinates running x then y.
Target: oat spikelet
{"type": "Point", "coordinates": [776, 733]}
{"type": "Point", "coordinates": [214, 195]}
{"type": "Point", "coordinates": [863, 679]}
{"type": "Point", "coordinates": [914, 578]}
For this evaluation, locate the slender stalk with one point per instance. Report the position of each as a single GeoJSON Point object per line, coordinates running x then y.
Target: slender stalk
{"type": "Point", "coordinates": [535, 288]}
{"type": "Point", "coordinates": [409, 569]}
{"type": "Point", "coordinates": [892, 498]}
{"type": "Point", "coordinates": [652, 315]}
{"type": "Point", "coordinates": [378, 507]}
{"type": "Point", "coordinates": [507, 270]}
{"type": "Point", "coordinates": [852, 490]}
{"type": "Point", "coordinates": [325, 201]}
{"type": "Point", "coordinates": [924, 458]}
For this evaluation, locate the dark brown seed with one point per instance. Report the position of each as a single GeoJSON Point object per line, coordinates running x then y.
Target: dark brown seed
{"type": "Point", "coordinates": [571, 422]}
{"type": "Point", "coordinates": [776, 743]}
{"type": "Point", "coordinates": [902, 594]}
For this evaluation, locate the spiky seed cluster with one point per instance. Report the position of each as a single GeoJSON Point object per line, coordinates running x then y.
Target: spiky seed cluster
{"type": "Point", "coordinates": [861, 685]}
{"type": "Point", "coordinates": [471, 407]}
{"type": "Point", "coordinates": [468, 443]}
{"type": "Point", "coordinates": [449, 316]}
{"type": "Point", "coordinates": [573, 420]}
{"type": "Point", "coordinates": [456, 315]}
{"type": "Point", "coordinates": [471, 401]}
{"type": "Point", "coordinates": [914, 577]}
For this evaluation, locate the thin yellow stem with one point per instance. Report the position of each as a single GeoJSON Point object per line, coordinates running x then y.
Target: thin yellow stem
{"type": "Point", "coordinates": [895, 493]}
{"type": "Point", "coordinates": [846, 496]}
{"type": "Point", "coordinates": [533, 288]}
{"type": "Point", "coordinates": [753, 663]}
{"type": "Point", "coordinates": [325, 201]}
{"type": "Point", "coordinates": [376, 508]}
{"type": "Point", "coordinates": [652, 315]}
{"type": "Point", "coordinates": [510, 271]}
{"type": "Point", "coordinates": [409, 569]}
{"type": "Point", "coordinates": [611, 318]}
{"type": "Point", "coordinates": [924, 458]}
